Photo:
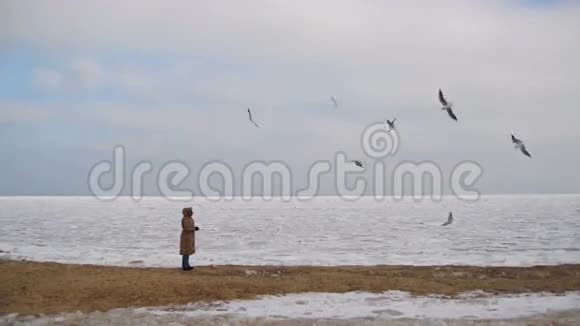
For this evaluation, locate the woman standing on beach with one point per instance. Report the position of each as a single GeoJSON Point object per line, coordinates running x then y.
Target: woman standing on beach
{"type": "Point", "coordinates": [187, 241]}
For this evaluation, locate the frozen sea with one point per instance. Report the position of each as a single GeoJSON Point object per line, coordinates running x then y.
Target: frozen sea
{"type": "Point", "coordinates": [494, 230]}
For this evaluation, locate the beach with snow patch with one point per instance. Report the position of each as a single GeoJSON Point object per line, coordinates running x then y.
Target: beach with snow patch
{"type": "Point", "coordinates": [285, 295]}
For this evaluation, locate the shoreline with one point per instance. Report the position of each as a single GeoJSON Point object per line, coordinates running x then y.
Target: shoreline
{"type": "Point", "coordinates": [28, 287]}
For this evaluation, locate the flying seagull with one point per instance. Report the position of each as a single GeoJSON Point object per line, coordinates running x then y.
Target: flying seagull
{"type": "Point", "coordinates": [357, 163]}
{"type": "Point", "coordinates": [518, 144]}
{"type": "Point", "coordinates": [390, 124]}
{"type": "Point", "coordinates": [449, 220]}
{"type": "Point", "coordinates": [334, 102]}
{"type": "Point", "coordinates": [446, 105]}
{"type": "Point", "coordinates": [251, 119]}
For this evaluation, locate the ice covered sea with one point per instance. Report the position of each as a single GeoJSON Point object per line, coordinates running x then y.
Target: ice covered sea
{"type": "Point", "coordinates": [494, 230]}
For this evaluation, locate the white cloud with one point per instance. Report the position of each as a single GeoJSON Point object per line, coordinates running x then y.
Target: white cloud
{"type": "Point", "coordinates": [13, 112]}
{"type": "Point", "coordinates": [47, 79]}
{"type": "Point", "coordinates": [87, 72]}
{"type": "Point", "coordinates": [82, 73]}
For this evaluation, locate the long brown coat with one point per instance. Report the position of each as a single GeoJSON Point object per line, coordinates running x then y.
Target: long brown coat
{"type": "Point", "coordinates": [187, 242]}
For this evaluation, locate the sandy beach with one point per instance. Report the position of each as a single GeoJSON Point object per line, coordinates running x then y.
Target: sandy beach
{"type": "Point", "coordinates": [36, 287]}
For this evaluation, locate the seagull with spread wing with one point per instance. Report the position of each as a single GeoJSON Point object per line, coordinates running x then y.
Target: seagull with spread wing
{"type": "Point", "coordinates": [449, 219]}
{"type": "Point", "coordinates": [446, 105]}
{"type": "Point", "coordinates": [252, 119]}
{"type": "Point", "coordinates": [390, 124]}
{"type": "Point", "coordinates": [518, 144]}
{"type": "Point", "coordinates": [334, 102]}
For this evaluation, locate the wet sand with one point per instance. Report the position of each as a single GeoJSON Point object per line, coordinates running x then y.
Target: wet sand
{"type": "Point", "coordinates": [33, 287]}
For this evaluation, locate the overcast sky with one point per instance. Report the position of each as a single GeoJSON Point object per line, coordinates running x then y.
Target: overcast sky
{"type": "Point", "coordinates": [172, 81]}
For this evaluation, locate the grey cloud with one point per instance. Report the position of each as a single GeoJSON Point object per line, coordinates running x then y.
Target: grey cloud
{"type": "Point", "coordinates": [505, 66]}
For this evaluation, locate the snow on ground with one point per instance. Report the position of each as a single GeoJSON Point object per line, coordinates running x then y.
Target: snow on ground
{"type": "Point", "coordinates": [352, 308]}
{"type": "Point", "coordinates": [390, 305]}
